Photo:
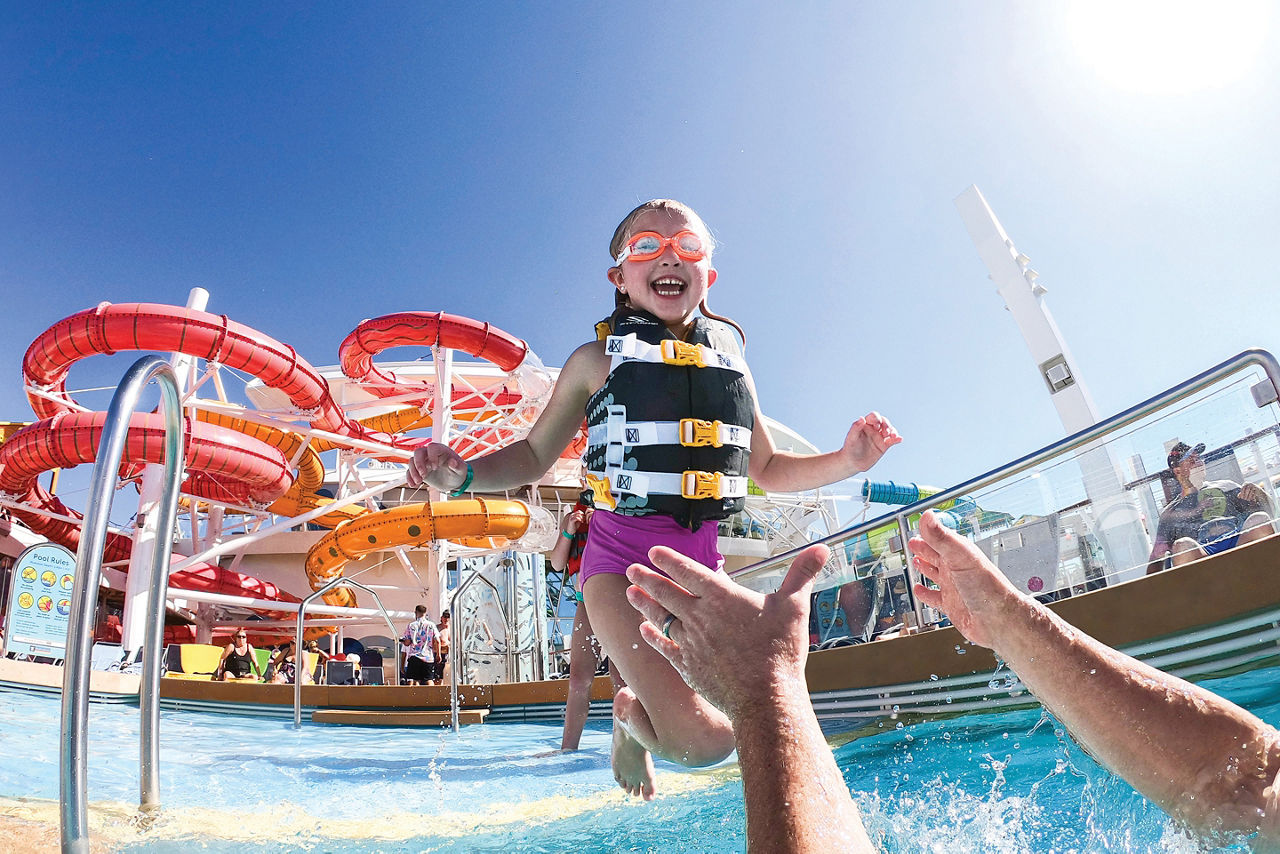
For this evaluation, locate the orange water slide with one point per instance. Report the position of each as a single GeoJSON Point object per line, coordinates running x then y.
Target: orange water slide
{"type": "Point", "coordinates": [414, 525]}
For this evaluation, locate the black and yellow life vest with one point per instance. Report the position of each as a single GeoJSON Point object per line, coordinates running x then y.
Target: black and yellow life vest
{"type": "Point", "coordinates": [670, 430]}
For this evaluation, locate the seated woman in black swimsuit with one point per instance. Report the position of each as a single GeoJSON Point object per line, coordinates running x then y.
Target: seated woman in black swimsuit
{"type": "Point", "coordinates": [239, 660]}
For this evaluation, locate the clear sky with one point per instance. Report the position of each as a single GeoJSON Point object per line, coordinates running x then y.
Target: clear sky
{"type": "Point", "coordinates": [314, 165]}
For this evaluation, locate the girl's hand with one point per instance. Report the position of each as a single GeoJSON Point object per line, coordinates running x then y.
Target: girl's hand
{"type": "Point", "coordinates": [868, 439]}
{"type": "Point", "coordinates": [437, 465]}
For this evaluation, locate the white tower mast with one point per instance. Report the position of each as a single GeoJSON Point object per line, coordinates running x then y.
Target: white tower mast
{"type": "Point", "coordinates": [1023, 295]}
{"type": "Point", "coordinates": [1117, 521]}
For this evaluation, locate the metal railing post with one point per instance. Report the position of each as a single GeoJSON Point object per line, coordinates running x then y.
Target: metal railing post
{"type": "Point", "coordinates": [300, 656]}
{"type": "Point", "coordinates": [73, 769]}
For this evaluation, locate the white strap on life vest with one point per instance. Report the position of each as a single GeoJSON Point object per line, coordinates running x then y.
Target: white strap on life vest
{"type": "Point", "coordinates": [689, 432]}
{"type": "Point", "coordinates": [690, 484]}
{"type": "Point", "coordinates": [629, 348]}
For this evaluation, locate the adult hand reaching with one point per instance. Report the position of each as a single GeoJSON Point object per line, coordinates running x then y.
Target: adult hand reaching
{"type": "Point", "coordinates": [971, 591]}
{"type": "Point", "coordinates": [732, 645]}
{"type": "Point", "coordinates": [1200, 757]}
{"type": "Point", "coordinates": [745, 653]}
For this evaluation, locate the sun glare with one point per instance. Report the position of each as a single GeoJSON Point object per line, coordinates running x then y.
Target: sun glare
{"type": "Point", "coordinates": [1168, 46]}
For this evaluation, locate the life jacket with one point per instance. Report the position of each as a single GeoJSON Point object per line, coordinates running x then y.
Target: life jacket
{"type": "Point", "coordinates": [670, 430]}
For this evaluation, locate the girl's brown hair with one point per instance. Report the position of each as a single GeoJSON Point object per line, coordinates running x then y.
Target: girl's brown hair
{"type": "Point", "coordinates": [623, 231]}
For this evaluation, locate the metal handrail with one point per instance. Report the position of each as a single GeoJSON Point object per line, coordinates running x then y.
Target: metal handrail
{"type": "Point", "coordinates": [1251, 357]}
{"type": "Point", "coordinates": [300, 656]}
{"type": "Point", "coordinates": [73, 771]}
{"type": "Point", "coordinates": [461, 653]}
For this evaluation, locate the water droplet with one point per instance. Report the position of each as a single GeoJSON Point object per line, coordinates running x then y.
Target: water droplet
{"type": "Point", "coordinates": [960, 650]}
{"type": "Point", "coordinates": [635, 646]}
{"type": "Point", "coordinates": [1093, 671]}
{"type": "Point", "coordinates": [899, 726]}
{"type": "Point", "coordinates": [910, 737]}
{"type": "Point", "coordinates": [948, 698]}
{"type": "Point", "coordinates": [933, 677]}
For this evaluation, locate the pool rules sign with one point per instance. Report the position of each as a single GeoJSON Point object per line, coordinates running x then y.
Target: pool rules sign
{"type": "Point", "coordinates": [40, 601]}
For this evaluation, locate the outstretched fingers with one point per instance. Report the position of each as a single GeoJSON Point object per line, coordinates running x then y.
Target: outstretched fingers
{"type": "Point", "coordinates": [803, 570]}
{"type": "Point", "coordinates": [650, 593]}
{"type": "Point", "coordinates": [888, 435]}
{"type": "Point", "coordinates": [946, 544]}
{"type": "Point", "coordinates": [690, 577]}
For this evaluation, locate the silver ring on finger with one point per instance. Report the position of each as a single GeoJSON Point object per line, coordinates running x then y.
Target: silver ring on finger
{"type": "Point", "coordinates": [666, 626]}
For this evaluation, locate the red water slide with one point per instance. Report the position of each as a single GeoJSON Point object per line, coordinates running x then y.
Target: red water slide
{"type": "Point", "coordinates": [223, 464]}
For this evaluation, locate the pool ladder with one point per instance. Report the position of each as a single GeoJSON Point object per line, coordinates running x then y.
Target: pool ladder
{"type": "Point", "coordinates": [73, 767]}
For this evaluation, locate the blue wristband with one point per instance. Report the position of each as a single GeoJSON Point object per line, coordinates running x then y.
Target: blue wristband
{"type": "Point", "coordinates": [567, 535]}
{"type": "Point", "coordinates": [463, 488]}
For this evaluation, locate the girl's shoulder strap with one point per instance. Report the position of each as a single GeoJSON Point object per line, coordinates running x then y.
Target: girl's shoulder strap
{"type": "Point", "coordinates": [716, 334]}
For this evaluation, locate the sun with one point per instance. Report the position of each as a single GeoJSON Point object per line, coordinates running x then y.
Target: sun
{"type": "Point", "coordinates": [1168, 46]}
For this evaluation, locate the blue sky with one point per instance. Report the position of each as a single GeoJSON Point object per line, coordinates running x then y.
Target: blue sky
{"type": "Point", "coordinates": [312, 166]}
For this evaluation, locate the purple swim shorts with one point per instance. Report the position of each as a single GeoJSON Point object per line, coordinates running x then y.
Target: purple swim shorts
{"type": "Point", "coordinates": [614, 542]}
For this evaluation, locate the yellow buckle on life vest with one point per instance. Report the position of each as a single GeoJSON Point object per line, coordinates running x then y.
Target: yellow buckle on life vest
{"type": "Point", "coordinates": [682, 353]}
{"type": "Point", "coordinates": [697, 433]}
{"type": "Point", "coordinates": [601, 495]}
{"type": "Point", "coordinates": [697, 485]}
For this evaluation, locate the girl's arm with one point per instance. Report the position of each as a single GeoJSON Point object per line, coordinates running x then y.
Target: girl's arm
{"type": "Point", "coordinates": [530, 458]}
{"type": "Point", "coordinates": [782, 471]}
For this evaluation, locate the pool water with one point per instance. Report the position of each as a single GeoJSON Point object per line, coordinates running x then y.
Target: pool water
{"type": "Point", "coordinates": [1008, 782]}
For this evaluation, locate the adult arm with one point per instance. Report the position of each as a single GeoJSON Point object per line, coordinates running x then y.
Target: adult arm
{"type": "Point", "coordinates": [220, 671]}
{"type": "Point", "coordinates": [1201, 758]}
{"type": "Point", "coordinates": [1254, 497]}
{"type": "Point", "coordinates": [745, 653]}
{"type": "Point", "coordinates": [1163, 544]}
{"type": "Point", "coordinates": [530, 458]}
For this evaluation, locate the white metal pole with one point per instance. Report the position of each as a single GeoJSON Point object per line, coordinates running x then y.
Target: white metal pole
{"type": "Point", "coordinates": [144, 538]}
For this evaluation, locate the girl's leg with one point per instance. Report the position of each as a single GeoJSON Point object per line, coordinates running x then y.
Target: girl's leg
{"type": "Point", "coordinates": [582, 672]}
{"type": "Point", "coordinates": [657, 712]}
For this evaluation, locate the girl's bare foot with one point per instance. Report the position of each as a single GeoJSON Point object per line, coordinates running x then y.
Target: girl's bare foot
{"type": "Point", "coordinates": [632, 764]}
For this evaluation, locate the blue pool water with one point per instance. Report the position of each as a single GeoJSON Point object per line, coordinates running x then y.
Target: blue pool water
{"type": "Point", "coordinates": [1009, 782]}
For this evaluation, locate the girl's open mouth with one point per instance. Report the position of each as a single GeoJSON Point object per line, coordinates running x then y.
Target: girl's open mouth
{"type": "Point", "coordinates": [667, 287]}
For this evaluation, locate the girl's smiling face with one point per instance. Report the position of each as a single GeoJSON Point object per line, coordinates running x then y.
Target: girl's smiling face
{"type": "Point", "coordinates": [668, 287]}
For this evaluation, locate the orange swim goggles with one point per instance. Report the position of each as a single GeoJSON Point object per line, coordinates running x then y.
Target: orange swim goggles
{"type": "Point", "coordinates": [648, 245]}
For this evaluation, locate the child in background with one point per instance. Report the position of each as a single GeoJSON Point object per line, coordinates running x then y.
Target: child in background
{"type": "Point", "coordinates": [674, 432]}
{"type": "Point", "coordinates": [584, 655]}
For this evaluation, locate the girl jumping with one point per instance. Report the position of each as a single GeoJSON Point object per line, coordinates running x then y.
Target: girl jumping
{"type": "Point", "coordinates": [674, 432]}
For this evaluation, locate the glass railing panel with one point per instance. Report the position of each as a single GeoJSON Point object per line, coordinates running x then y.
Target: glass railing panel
{"type": "Point", "coordinates": [1071, 518]}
